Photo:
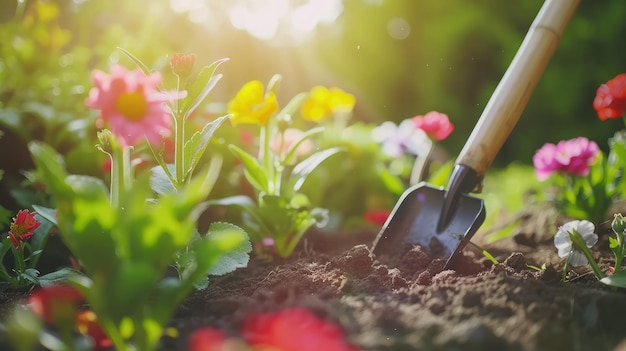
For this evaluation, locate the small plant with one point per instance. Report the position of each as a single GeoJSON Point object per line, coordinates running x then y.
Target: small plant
{"type": "Point", "coordinates": [588, 182]}
{"type": "Point", "coordinates": [281, 214]}
{"type": "Point", "coordinates": [127, 236]}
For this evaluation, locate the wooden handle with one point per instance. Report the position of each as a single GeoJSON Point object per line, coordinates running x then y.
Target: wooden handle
{"type": "Point", "coordinates": [514, 90]}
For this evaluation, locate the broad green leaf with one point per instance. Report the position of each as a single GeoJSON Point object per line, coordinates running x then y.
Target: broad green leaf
{"type": "Point", "coordinates": [253, 171]}
{"type": "Point", "coordinates": [238, 256]}
{"type": "Point", "coordinates": [197, 144]}
{"type": "Point", "coordinates": [617, 279]}
{"type": "Point", "coordinates": [49, 214]}
{"type": "Point", "coordinates": [50, 167]}
{"type": "Point", "coordinates": [200, 88]}
{"type": "Point", "coordinates": [302, 170]}
{"type": "Point", "coordinates": [160, 182]}
{"type": "Point", "coordinates": [61, 275]}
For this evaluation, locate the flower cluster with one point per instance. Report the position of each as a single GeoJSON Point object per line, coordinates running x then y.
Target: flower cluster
{"type": "Point", "coordinates": [588, 182]}
{"type": "Point", "coordinates": [281, 213]}
{"type": "Point", "coordinates": [573, 156]}
{"type": "Point", "coordinates": [293, 329]}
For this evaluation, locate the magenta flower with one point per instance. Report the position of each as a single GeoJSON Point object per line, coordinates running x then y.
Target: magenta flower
{"type": "Point", "coordinates": [568, 156]}
{"type": "Point", "coordinates": [293, 329]}
{"type": "Point", "coordinates": [436, 125]}
{"type": "Point", "coordinates": [610, 100]}
{"type": "Point", "coordinates": [131, 106]}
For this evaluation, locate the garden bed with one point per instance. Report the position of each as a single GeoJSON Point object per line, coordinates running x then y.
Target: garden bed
{"type": "Point", "coordinates": [406, 303]}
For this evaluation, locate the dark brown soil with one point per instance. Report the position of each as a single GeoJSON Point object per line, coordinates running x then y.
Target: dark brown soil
{"type": "Point", "coordinates": [406, 303]}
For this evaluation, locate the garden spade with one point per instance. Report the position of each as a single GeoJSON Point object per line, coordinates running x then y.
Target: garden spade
{"type": "Point", "coordinates": [442, 220]}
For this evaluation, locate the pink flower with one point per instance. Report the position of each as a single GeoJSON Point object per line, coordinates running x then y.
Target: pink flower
{"type": "Point", "coordinates": [610, 101]}
{"type": "Point", "coordinates": [568, 156]}
{"type": "Point", "coordinates": [22, 227]}
{"type": "Point", "coordinates": [293, 329]}
{"type": "Point", "coordinates": [131, 106]}
{"type": "Point", "coordinates": [436, 125]}
{"type": "Point", "coordinates": [282, 143]}
{"type": "Point", "coordinates": [206, 339]}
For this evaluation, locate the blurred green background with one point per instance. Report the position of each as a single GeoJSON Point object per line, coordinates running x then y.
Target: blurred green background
{"type": "Point", "coordinates": [401, 58]}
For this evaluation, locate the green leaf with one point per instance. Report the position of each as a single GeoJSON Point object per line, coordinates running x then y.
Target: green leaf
{"type": "Point", "coordinates": [239, 254]}
{"type": "Point", "coordinates": [613, 242]}
{"type": "Point", "coordinates": [160, 182]}
{"type": "Point", "coordinates": [302, 170]}
{"type": "Point", "coordinates": [135, 60]}
{"type": "Point", "coordinates": [291, 153]}
{"type": "Point", "coordinates": [197, 144]}
{"type": "Point", "coordinates": [200, 88]}
{"type": "Point", "coordinates": [49, 214]}
{"type": "Point", "coordinates": [253, 171]}
{"type": "Point", "coordinates": [617, 279]}
{"type": "Point", "coordinates": [50, 167]}
{"type": "Point", "coordinates": [55, 277]}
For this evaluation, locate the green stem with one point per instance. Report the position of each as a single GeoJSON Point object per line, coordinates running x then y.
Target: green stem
{"type": "Point", "coordinates": [266, 158]}
{"type": "Point", "coordinates": [579, 244]}
{"type": "Point", "coordinates": [19, 9]}
{"type": "Point", "coordinates": [179, 159]}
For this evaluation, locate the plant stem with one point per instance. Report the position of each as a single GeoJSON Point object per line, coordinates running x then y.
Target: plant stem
{"type": "Point", "coordinates": [579, 244]}
{"type": "Point", "coordinates": [179, 142]}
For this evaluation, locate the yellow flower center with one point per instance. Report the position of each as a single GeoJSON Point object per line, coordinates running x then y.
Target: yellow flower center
{"type": "Point", "coordinates": [132, 105]}
{"type": "Point", "coordinates": [18, 230]}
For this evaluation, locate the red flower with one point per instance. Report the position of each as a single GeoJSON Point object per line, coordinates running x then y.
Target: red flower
{"type": "Point", "coordinates": [22, 227]}
{"type": "Point", "coordinates": [436, 125]}
{"type": "Point", "coordinates": [294, 329]}
{"type": "Point", "coordinates": [87, 324]}
{"type": "Point", "coordinates": [206, 339]}
{"type": "Point", "coordinates": [378, 217]}
{"type": "Point", "coordinates": [56, 303]}
{"type": "Point", "coordinates": [610, 101]}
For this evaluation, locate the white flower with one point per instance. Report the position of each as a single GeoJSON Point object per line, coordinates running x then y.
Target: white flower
{"type": "Point", "coordinates": [396, 140]}
{"type": "Point", "coordinates": [563, 242]}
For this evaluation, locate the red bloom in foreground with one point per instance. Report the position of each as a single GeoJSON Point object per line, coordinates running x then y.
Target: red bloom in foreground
{"type": "Point", "coordinates": [206, 339]}
{"type": "Point", "coordinates": [610, 101]}
{"type": "Point", "coordinates": [294, 329]}
{"type": "Point", "coordinates": [22, 227]}
{"type": "Point", "coordinates": [87, 324]}
{"type": "Point", "coordinates": [437, 125]}
{"type": "Point", "coordinates": [131, 106]}
{"type": "Point", "coordinates": [378, 217]}
{"type": "Point", "coordinates": [56, 303]}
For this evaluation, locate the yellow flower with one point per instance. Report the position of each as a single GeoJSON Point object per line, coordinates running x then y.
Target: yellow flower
{"type": "Point", "coordinates": [251, 105]}
{"type": "Point", "coordinates": [324, 103]}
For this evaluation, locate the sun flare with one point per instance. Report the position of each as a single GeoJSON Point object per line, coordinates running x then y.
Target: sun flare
{"type": "Point", "coordinates": [265, 19]}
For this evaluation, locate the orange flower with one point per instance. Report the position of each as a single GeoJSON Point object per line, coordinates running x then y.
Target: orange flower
{"type": "Point", "coordinates": [182, 64]}
{"type": "Point", "coordinates": [250, 105]}
{"type": "Point", "coordinates": [323, 103]}
{"type": "Point", "coordinates": [22, 227]}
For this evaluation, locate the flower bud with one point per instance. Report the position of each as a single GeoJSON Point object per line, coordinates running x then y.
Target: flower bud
{"type": "Point", "coordinates": [619, 224]}
{"type": "Point", "coordinates": [182, 64]}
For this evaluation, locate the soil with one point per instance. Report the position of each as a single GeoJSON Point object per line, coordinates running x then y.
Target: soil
{"type": "Point", "coordinates": [406, 302]}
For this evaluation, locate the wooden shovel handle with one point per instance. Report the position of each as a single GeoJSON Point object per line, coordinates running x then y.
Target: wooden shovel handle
{"type": "Point", "coordinates": [514, 90]}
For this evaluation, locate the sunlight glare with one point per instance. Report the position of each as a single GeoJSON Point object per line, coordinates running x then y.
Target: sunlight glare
{"type": "Point", "coordinates": [294, 20]}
